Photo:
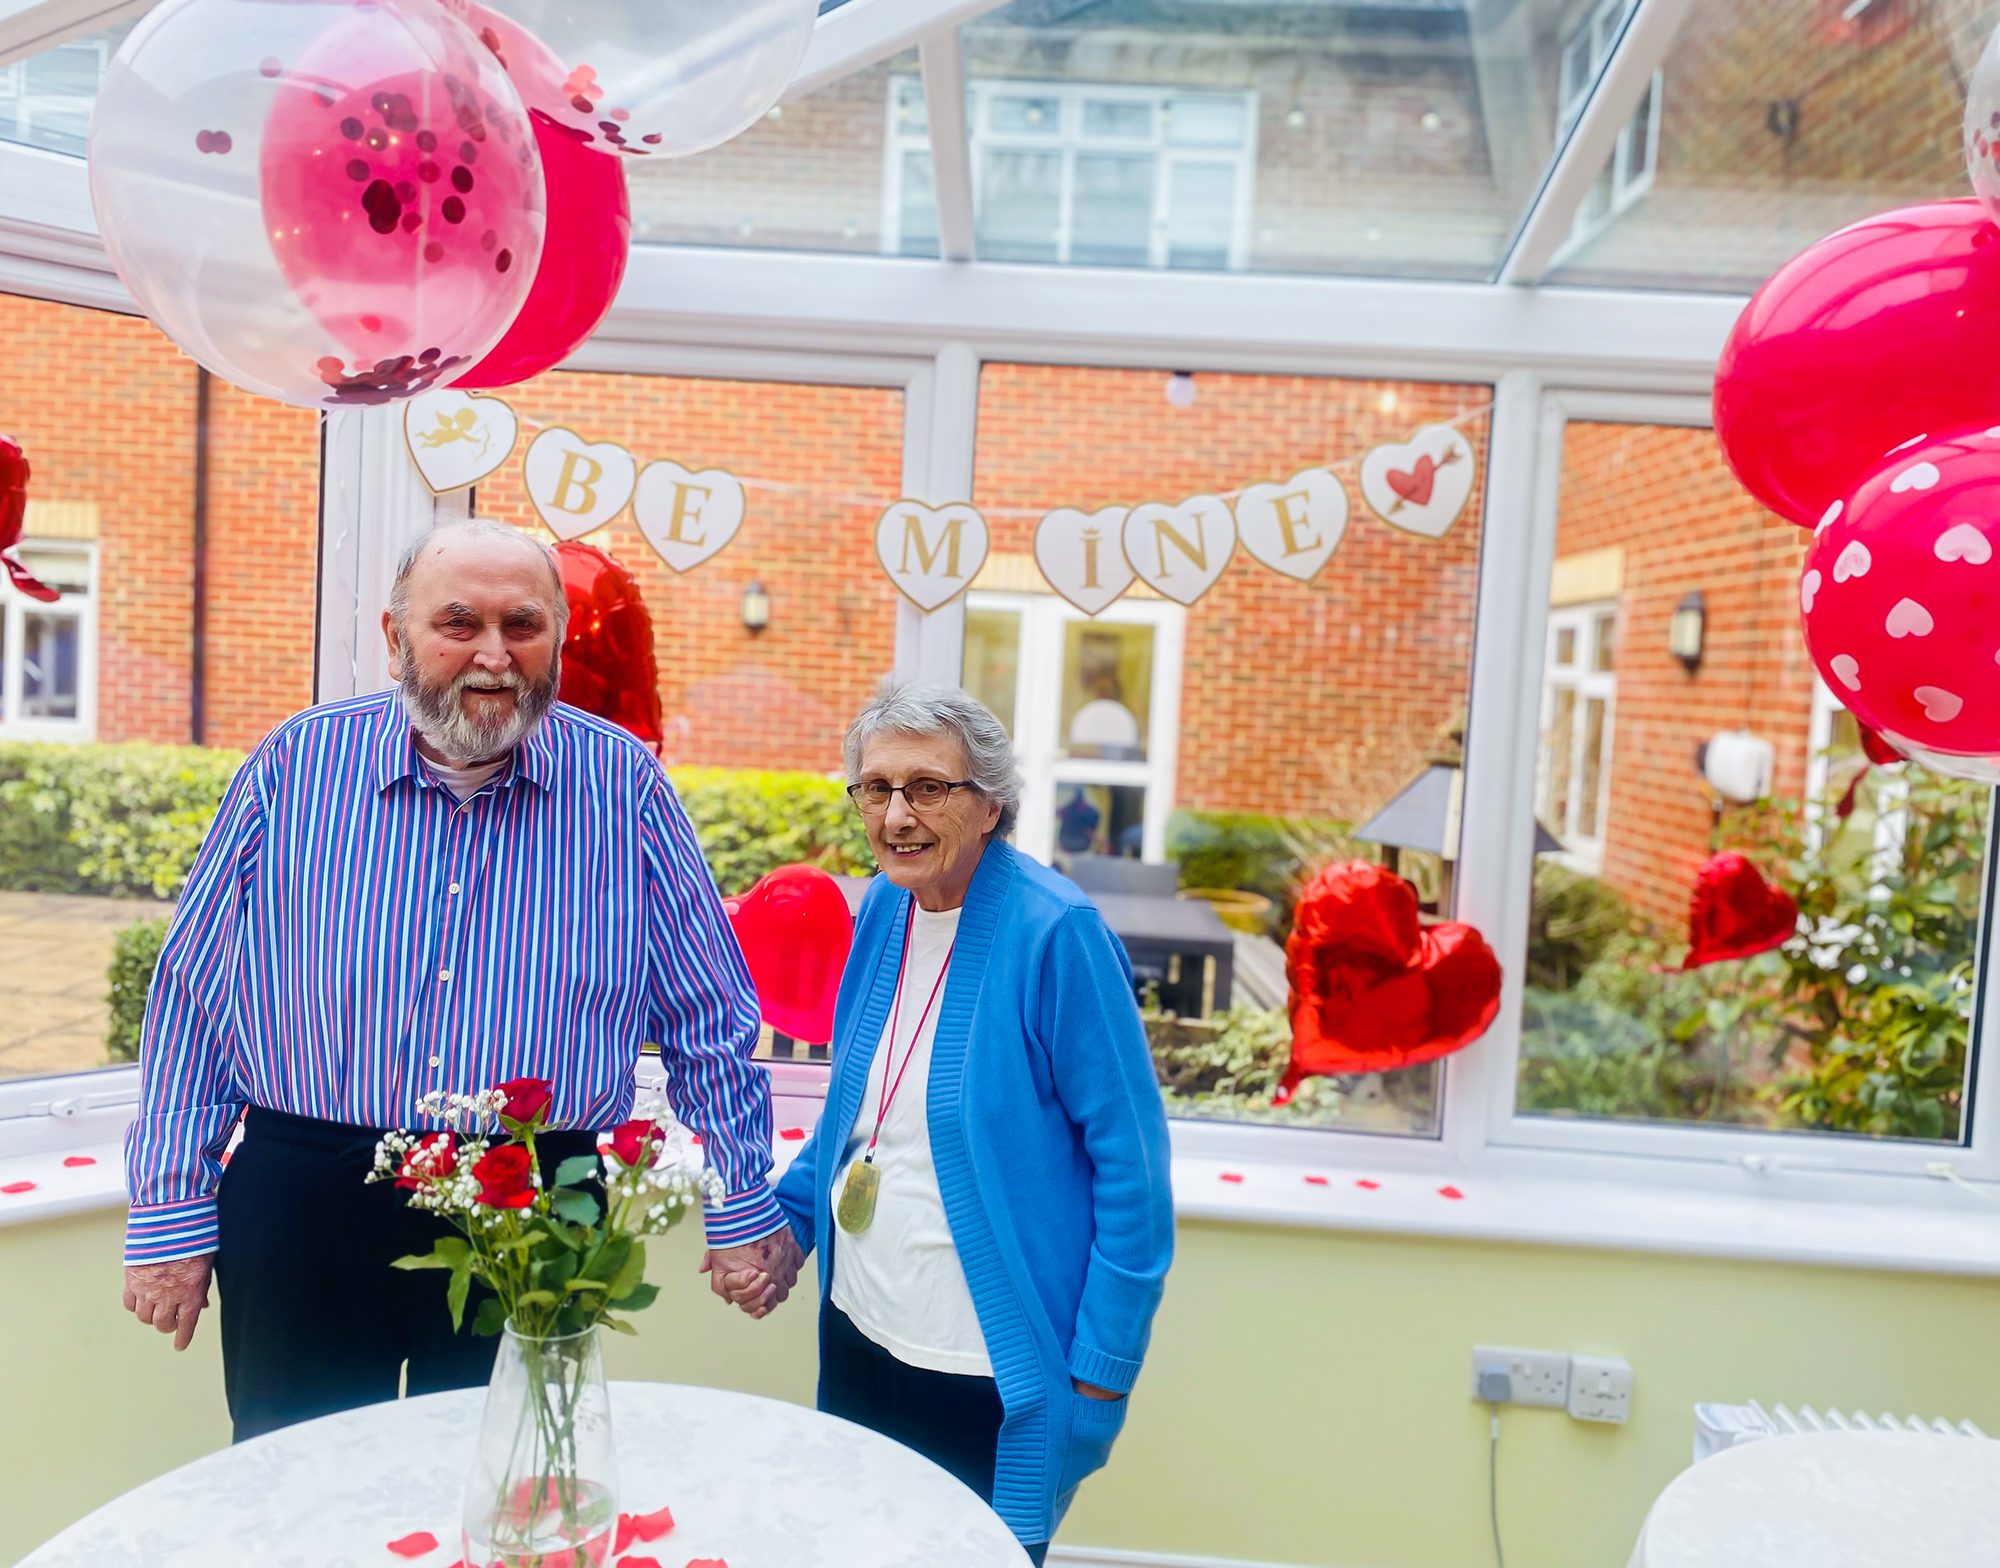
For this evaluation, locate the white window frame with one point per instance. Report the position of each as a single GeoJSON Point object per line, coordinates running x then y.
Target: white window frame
{"type": "Point", "coordinates": [1595, 36]}
{"type": "Point", "coordinates": [1068, 139]}
{"type": "Point", "coordinates": [14, 88]}
{"type": "Point", "coordinates": [15, 607]}
{"type": "Point", "coordinates": [1581, 852]}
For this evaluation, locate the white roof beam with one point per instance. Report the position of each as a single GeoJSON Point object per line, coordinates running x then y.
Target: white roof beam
{"type": "Point", "coordinates": [862, 33]}
{"type": "Point", "coordinates": [27, 27]}
{"type": "Point", "coordinates": [951, 151]}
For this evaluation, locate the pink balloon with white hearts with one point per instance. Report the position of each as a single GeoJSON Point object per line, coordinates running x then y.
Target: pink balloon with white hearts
{"type": "Point", "coordinates": [1901, 596]}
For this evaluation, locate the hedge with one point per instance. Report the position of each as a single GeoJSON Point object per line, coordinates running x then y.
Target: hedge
{"type": "Point", "coordinates": [135, 953]}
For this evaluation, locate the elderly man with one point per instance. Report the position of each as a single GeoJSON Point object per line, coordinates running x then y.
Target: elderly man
{"type": "Point", "coordinates": [446, 886]}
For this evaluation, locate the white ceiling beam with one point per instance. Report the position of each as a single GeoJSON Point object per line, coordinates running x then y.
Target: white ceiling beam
{"type": "Point", "coordinates": [1649, 33]}
{"type": "Point", "coordinates": [951, 150]}
{"type": "Point", "coordinates": [27, 27]}
{"type": "Point", "coordinates": [862, 33]}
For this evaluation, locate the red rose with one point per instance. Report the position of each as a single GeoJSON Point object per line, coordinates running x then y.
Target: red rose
{"type": "Point", "coordinates": [435, 1156]}
{"type": "Point", "coordinates": [502, 1175]}
{"type": "Point", "coordinates": [525, 1098]}
{"type": "Point", "coordinates": [634, 1141]}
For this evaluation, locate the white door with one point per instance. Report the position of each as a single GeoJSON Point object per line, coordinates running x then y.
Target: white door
{"type": "Point", "coordinates": [1094, 709]}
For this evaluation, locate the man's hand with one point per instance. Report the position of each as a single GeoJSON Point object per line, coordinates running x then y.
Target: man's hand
{"type": "Point", "coordinates": [170, 1296]}
{"type": "Point", "coordinates": [1092, 1391]}
{"type": "Point", "coordinates": [758, 1275]}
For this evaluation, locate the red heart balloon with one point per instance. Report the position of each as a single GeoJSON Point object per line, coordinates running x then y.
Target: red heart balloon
{"type": "Point", "coordinates": [795, 930]}
{"type": "Point", "coordinates": [1735, 913]}
{"type": "Point", "coordinates": [14, 517]}
{"type": "Point", "coordinates": [1371, 988]}
{"type": "Point", "coordinates": [607, 659]}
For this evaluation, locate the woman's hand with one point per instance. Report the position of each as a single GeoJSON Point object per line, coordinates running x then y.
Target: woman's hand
{"type": "Point", "coordinates": [1092, 1391]}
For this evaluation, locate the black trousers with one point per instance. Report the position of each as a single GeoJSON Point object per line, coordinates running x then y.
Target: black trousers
{"type": "Point", "coordinates": [951, 1419]}
{"type": "Point", "coordinates": [314, 1319]}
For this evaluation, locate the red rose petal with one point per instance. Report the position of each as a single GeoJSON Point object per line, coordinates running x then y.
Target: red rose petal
{"type": "Point", "coordinates": [638, 1562]}
{"type": "Point", "coordinates": [79, 1159]}
{"type": "Point", "coordinates": [1450, 1192]}
{"type": "Point", "coordinates": [1366, 1185]}
{"type": "Point", "coordinates": [1315, 1181]}
{"type": "Point", "coordinates": [18, 1186]}
{"type": "Point", "coordinates": [793, 1134]}
{"type": "Point", "coordinates": [626, 1534]}
{"type": "Point", "coordinates": [1231, 1176]}
{"type": "Point", "coordinates": [707, 1562]}
{"type": "Point", "coordinates": [650, 1527]}
{"type": "Point", "coordinates": [418, 1543]}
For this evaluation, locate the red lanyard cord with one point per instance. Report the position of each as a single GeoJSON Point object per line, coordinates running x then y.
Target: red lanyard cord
{"type": "Point", "coordinates": [887, 1096]}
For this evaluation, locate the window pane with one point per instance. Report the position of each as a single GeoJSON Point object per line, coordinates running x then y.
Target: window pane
{"type": "Point", "coordinates": [1636, 142]}
{"type": "Point", "coordinates": [1559, 759]}
{"type": "Point", "coordinates": [68, 570]}
{"type": "Point", "coordinates": [1235, 747]}
{"type": "Point", "coordinates": [1859, 1027]}
{"type": "Point", "coordinates": [993, 661]}
{"type": "Point", "coordinates": [1604, 646]}
{"type": "Point", "coordinates": [1112, 118]}
{"type": "Point", "coordinates": [920, 220]}
{"type": "Point", "coordinates": [1206, 122]}
{"type": "Point", "coordinates": [1112, 222]}
{"type": "Point", "coordinates": [1016, 116]}
{"type": "Point", "coordinates": [1020, 205]}
{"type": "Point", "coordinates": [1565, 655]}
{"type": "Point", "coordinates": [52, 92]}
{"type": "Point", "coordinates": [48, 666]}
{"type": "Point", "coordinates": [1201, 215]}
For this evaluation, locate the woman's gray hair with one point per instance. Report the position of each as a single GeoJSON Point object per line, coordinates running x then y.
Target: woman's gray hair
{"type": "Point", "coordinates": [483, 528]}
{"type": "Point", "coordinates": [917, 709]}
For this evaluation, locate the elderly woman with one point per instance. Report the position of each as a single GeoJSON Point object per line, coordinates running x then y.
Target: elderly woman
{"type": "Point", "coordinates": [988, 1183]}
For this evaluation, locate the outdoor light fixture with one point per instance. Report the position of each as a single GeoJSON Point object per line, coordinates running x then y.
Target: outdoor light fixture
{"type": "Point", "coordinates": [1686, 630]}
{"type": "Point", "coordinates": [1737, 765]}
{"type": "Point", "coordinates": [1180, 389]}
{"type": "Point", "coordinates": [756, 608]}
{"type": "Point", "coordinates": [1296, 120]}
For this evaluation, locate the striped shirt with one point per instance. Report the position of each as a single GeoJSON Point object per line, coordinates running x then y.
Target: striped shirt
{"type": "Point", "coordinates": [352, 937]}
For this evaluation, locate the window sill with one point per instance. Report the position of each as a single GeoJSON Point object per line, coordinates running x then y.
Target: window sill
{"type": "Point", "coordinates": [1958, 1237]}
{"type": "Point", "coordinates": [61, 1187]}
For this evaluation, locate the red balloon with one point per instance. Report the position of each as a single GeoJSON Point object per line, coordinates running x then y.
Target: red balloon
{"type": "Point", "coordinates": [795, 930]}
{"type": "Point", "coordinates": [1872, 337]}
{"type": "Point", "coordinates": [1901, 598]}
{"type": "Point", "coordinates": [1735, 913]}
{"type": "Point", "coordinates": [607, 659]}
{"type": "Point", "coordinates": [589, 234]}
{"type": "Point", "coordinates": [14, 517]}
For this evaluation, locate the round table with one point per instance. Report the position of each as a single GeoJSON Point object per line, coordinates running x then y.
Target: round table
{"type": "Point", "coordinates": [1832, 1500]}
{"type": "Point", "coordinates": [755, 1482]}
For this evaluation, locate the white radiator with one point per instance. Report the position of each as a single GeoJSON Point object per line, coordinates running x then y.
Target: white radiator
{"type": "Point", "coordinates": [1717, 1427]}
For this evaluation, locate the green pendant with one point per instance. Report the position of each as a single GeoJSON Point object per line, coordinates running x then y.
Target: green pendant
{"type": "Point", "coordinates": [857, 1196]}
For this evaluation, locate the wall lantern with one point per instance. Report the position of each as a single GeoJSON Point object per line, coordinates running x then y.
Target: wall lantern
{"type": "Point", "coordinates": [1687, 629]}
{"type": "Point", "coordinates": [756, 608]}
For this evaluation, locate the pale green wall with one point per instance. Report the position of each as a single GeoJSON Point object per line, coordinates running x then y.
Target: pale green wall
{"type": "Point", "coordinates": [1305, 1401]}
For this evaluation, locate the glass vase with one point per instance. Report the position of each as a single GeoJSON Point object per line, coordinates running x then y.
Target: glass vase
{"type": "Point", "coordinates": [544, 1484]}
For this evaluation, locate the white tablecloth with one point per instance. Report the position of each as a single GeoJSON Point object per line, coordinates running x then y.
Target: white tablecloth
{"type": "Point", "coordinates": [1832, 1500]}
{"type": "Point", "coordinates": [757, 1482]}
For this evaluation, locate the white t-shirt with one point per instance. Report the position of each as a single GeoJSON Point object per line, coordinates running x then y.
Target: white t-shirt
{"type": "Point", "coordinates": [900, 1279]}
{"type": "Point", "coordinates": [465, 782]}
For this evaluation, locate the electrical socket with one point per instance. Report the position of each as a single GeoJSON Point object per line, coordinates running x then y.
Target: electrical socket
{"type": "Point", "coordinates": [1535, 1377]}
{"type": "Point", "coordinates": [1600, 1388]}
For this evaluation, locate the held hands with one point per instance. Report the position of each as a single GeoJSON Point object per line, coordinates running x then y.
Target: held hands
{"type": "Point", "coordinates": [170, 1296]}
{"type": "Point", "coordinates": [758, 1275]}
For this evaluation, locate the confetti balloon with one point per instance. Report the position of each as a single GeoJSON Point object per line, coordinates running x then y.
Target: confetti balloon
{"type": "Point", "coordinates": [1982, 128]}
{"type": "Point", "coordinates": [647, 77]}
{"type": "Point", "coordinates": [328, 202]}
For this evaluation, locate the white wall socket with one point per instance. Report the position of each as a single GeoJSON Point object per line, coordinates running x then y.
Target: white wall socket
{"type": "Point", "coordinates": [1534, 1377]}
{"type": "Point", "coordinates": [1600, 1388]}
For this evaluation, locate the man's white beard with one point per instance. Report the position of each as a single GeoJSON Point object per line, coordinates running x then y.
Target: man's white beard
{"type": "Point", "coordinates": [437, 713]}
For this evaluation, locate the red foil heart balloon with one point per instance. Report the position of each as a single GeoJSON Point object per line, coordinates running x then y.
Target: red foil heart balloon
{"type": "Point", "coordinates": [1735, 913]}
{"type": "Point", "coordinates": [795, 931]}
{"type": "Point", "coordinates": [14, 518]}
{"type": "Point", "coordinates": [1372, 989]}
{"type": "Point", "coordinates": [607, 659]}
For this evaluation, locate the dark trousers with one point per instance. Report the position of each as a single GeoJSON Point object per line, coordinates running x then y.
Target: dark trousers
{"type": "Point", "coordinates": [951, 1419]}
{"type": "Point", "coordinates": [314, 1319]}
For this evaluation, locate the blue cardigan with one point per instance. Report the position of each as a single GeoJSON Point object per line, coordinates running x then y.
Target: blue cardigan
{"type": "Point", "coordinates": [1051, 1152]}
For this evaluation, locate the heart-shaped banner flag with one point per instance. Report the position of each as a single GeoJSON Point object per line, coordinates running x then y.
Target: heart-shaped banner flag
{"type": "Point", "coordinates": [1082, 556]}
{"type": "Point", "coordinates": [575, 485]}
{"type": "Point", "coordinates": [1293, 527]}
{"type": "Point", "coordinates": [931, 553]}
{"type": "Point", "coordinates": [687, 517]}
{"type": "Point", "coordinates": [456, 439]}
{"type": "Point", "coordinates": [1422, 485]}
{"type": "Point", "coordinates": [1179, 551]}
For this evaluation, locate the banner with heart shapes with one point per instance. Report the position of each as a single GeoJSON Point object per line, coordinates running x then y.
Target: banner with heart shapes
{"type": "Point", "coordinates": [1082, 556]}
{"type": "Point", "coordinates": [1421, 486]}
{"type": "Point", "coordinates": [457, 439]}
{"type": "Point", "coordinates": [931, 553]}
{"type": "Point", "coordinates": [1293, 527]}
{"type": "Point", "coordinates": [575, 485]}
{"type": "Point", "coordinates": [1179, 551]}
{"type": "Point", "coordinates": [687, 517]}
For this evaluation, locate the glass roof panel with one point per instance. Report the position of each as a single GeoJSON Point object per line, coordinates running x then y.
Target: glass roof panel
{"type": "Point", "coordinates": [45, 99]}
{"type": "Point", "coordinates": [821, 173]}
{"type": "Point", "coordinates": [1768, 126]}
{"type": "Point", "coordinates": [1368, 137]}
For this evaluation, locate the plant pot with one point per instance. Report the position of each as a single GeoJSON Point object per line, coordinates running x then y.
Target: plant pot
{"type": "Point", "coordinates": [544, 1483]}
{"type": "Point", "coordinates": [1238, 910]}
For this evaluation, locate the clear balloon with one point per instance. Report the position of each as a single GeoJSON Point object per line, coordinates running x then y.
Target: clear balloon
{"type": "Point", "coordinates": [1974, 770]}
{"type": "Point", "coordinates": [328, 203]}
{"type": "Point", "coordinates": [1982, 128]}
{"type": "Point", "coordinates": [1870, 337]}
{"type": "Point", "coordinates": [648, 77]}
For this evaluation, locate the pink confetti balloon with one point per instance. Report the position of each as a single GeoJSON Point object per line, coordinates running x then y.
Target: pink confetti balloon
{"type": "Point", "coordinates": [1900, 595]}
{"type": "Point", "coordinates": [258, 173]}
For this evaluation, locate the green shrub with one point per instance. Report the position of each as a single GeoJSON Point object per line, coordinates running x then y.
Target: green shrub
{"type": "Point", "coordinates": [750, 822]}
{"type": "Point", "coordinates": [1258, 854]}
{"type": "Point", "coordinates": [120, 820]}
{"type": "Point", "coordinates": [1573, 920]}
{"type": "Point", "coordinates": [135, 953]}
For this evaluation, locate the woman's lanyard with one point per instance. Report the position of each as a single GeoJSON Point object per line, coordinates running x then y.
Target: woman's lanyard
{"type": "Point", "coordinates": [887, 1097]}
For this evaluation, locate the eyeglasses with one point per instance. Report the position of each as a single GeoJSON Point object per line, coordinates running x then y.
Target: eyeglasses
{"type": "Point", "coordinates": [872, 796]}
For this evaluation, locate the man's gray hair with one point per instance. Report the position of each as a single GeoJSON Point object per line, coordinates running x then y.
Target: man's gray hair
{"type": "Point", "coordinates": [916, 709]}
{"type": "Point", "coordinates": [481, 528]}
